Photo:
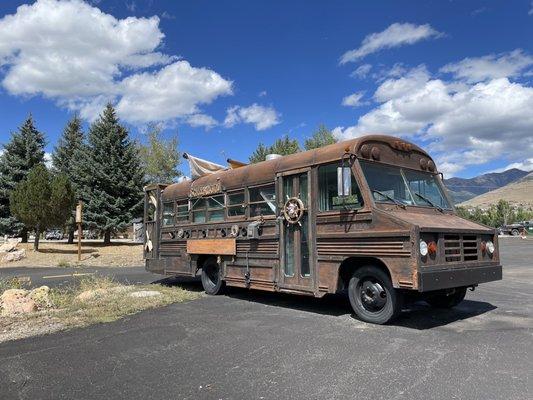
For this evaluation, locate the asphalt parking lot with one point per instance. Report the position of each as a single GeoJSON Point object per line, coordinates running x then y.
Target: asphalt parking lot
{"type": "Point", "coordinates": [250, 345]}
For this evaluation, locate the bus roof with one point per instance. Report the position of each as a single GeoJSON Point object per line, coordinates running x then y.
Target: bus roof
{"type": "Point", "coordinates": [265, 171]}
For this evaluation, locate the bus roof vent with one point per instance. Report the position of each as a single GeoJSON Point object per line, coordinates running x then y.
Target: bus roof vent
{"type": "Point", "coordinates": [272, 156]}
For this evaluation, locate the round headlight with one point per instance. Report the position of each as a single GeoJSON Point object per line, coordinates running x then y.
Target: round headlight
{"type": "Point", "coordinates": [423, 248]}
{"type": "Point", "coordinates": [490, 247]}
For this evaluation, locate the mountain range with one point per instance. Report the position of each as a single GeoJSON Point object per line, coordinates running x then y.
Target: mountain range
{"type": "Point", "coordinates": [463, 189]}
{"type": "Point", "coordinates": [519, 193]}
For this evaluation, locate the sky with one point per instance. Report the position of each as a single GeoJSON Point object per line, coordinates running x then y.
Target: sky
{"type": "Point", "coordinates": [455, 77]}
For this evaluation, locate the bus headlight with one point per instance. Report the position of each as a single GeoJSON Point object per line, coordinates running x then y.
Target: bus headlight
{"type": "Point", "coordinates": [490, 247]}
{"type": "Point", "coordinates": [423, 248]}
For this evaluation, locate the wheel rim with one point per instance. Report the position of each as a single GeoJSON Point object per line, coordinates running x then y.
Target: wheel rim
{"type": "Point", "coordinates": [372, 295]}
{"type": "Point", "coordinates": [212, 274]}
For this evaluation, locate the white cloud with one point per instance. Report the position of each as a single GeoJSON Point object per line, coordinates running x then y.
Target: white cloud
{"type": "Point", "coordinates": [396, 35]}
{"type": "Point", "coordinates": [263, 93]}
{"type": "Point", "coordinates": [260, 116]}
{"type": "Point", "coordinates": [462, 124]}
{"type": "Point", "coordinates": [167, 15]}
{"type": "Point", "coordinates": [478, 69]}
{"type": "Point", "coordinates": [361, 71]}
{"type": "Point", "coordinates": [48, 160]}
{"type": "Point", "coordinates": [81, 57]}
{"type": "Point", "coordinates": [131, 6]}
{"type": "Point", "coordinates": [413, 79]}
{"type": "Point", "coordinates": [530, 9]}
{"type": "Point", "coordinates": [353, 100]}
{"type": "Point", "coordinates": [201, 120]}
{"type": "Point", "coordinates": [175, 90]}
{"type": "Point", "coordinates": [525, 165]}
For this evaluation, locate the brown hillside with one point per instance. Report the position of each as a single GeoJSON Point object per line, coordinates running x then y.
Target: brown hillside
{"type": "Point", "coordinates": [518, 193]}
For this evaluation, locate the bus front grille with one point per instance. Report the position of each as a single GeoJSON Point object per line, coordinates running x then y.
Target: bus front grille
{"type": "Point", "coordinates": [459, 248]}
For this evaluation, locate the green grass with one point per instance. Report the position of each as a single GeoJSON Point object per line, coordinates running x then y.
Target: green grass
{"type": "Point", "coordinates": [13, 283]}
{"type": "Point", "coordinates": [111, 301]}
{"type": "Point", "coordinates": [63, 264]}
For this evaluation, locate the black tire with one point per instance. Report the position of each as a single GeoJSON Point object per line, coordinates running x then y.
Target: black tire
{"type": "Point", "coordinates": [515, 232]}
{"type": "Point", "coordinates": [372, 296]}
{"type": "Point", "coordinates": [212, 277]}
{"type": "Point", "coordinates": [447, 300]}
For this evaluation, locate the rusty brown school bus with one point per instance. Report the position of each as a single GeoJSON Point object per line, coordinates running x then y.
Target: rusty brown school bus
{"type": "Point", "coordinates": [368, 216]}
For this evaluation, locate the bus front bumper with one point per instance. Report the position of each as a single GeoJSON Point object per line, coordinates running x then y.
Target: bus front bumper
{"type": "Point", "coordinates": [436, 279]}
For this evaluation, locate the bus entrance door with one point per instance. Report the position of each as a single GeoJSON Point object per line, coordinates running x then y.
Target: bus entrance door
{"type": "Point", "coordinates": [296, 270]}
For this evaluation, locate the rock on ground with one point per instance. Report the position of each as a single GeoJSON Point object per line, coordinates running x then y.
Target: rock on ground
{"type": "Point", "coordinates": [95, 293]}
{"type": "Point", "coordinates": [17, 301]}
{"type": "Point", "coordinates": [145, 293]}
{"type": "Point", "coordinates": [14, 255]}
{"type": "Point", "coordinates": [41, 297]}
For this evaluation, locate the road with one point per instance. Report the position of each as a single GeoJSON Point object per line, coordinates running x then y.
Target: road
{"type": "Point", "coordinates": [250, 345]}
{"type": "Point", "coordinates": [58, 276]}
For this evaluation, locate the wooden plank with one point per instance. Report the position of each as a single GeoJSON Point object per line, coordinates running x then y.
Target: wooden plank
{"type": "Point", "coordinates": [222, 247]}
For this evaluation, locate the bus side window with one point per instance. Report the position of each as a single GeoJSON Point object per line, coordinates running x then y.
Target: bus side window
{"type": "Point", "coordinates": [328, 191]}
{"type": "Point", "coordinates": [168, 213]}
{"type": "Point", "coordinates": [182, 210]}
{"type": "Point", "coordinates": [262, 200]}
{"type": "Point", "coordinates": [215, 206]}
{"type": "Point", "coordinates": [235, 203]}
{"type": "Point", "coordinates": [198, 209]}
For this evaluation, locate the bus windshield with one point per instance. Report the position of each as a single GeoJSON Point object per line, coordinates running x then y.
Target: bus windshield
{"type": "Point", "coordinates": [404, 186]}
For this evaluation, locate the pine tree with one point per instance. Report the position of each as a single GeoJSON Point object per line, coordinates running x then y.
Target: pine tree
{"type": "Point", "coordinates": [21, 153]}
{"type": "Point", "coordinates": [161, 158]}
{"type": "Point", "coordinates": [65, 158]}
{"type": "Point", "coordinates": [42, 201]}
{"type": "Point", "coordinates": [321, 137]}
{"type": "Point", "coordinates": [259, 154]}
{"type": "Point", "coordinates": [112, 176]}
{"type": "Point", "coordinates": [283, 146]}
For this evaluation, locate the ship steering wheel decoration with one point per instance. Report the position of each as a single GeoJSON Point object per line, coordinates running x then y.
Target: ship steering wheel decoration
{"type": "Point", "coordinates": [293, 210]}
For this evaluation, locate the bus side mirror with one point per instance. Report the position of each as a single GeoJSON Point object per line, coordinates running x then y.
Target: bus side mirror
{"type": "Point", "coordinates": [344, 181]}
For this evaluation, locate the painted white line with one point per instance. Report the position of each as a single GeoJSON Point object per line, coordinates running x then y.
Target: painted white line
{"type": "Point", "coordinates": [66, 275]}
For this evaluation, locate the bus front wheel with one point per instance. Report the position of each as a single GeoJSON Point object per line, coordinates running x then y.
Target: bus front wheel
{"type": "Point", "coordinates": [212, 277]}
{"type": "Point", "coordinates": [372, 296]}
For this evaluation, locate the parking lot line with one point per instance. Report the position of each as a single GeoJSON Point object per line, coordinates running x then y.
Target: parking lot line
{"type": "Point", "coordinates": [67, 275]}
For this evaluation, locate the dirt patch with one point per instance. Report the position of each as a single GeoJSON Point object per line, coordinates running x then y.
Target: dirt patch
{"type": "Point", "coordinates": [93, 300]}
{"type": "Point", "coordinates": [94, 254]}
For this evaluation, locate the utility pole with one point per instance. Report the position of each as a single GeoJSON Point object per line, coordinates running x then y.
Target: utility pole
{"type": "Point", "coordinates": [78, 221]}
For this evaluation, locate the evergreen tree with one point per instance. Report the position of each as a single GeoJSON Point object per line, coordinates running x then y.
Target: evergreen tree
{"type": "Point", "coordinates": [65, 158]}
{"type": "Point", "coordinates": [161, 158]}
{"type": "Point", "coordinates": [283, 146]}
{"type": "Point", "coordinates": [259, 154]}
{"type": "Point", "coordinates": [71, 141]}
{"type": "Point", "coordinates": [21, 153]}
{"type": "Point", "coordinates": [112, 176]}
{"type": "Point", "coordinates": [321, 137]}
{"type": "Point", "coordinates": [42, 201]}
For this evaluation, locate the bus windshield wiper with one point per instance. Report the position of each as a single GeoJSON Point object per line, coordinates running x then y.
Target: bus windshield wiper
{"type": "Point", "coordinates": [398, 203]}
{"type": "Point", "coordinates": [429, 202]}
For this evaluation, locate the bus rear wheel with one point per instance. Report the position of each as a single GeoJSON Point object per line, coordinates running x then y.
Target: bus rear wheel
{"type": "Point", "coordinates": [372, 296]}
{"type": "Point", "coordinates": [212, 277]}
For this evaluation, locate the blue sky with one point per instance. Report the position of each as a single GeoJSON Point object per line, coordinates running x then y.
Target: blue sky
{"type": "Point", "coordinates": [453, 76]}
